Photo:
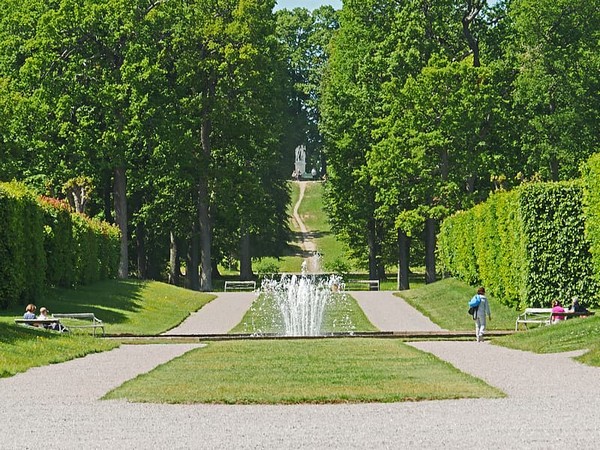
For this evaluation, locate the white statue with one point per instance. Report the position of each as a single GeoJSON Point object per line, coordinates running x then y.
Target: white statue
{"type": "Point", "coordinates": [300, 163]}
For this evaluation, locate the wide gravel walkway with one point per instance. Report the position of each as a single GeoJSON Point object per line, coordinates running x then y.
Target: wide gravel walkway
{"type": "Point", "coordinates": [552, 402]}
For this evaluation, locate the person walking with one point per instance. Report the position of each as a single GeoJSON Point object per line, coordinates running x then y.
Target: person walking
{"type": "Point", "coordinates": [483, 309]}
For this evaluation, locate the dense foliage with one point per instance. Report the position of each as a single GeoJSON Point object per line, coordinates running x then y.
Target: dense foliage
{"type": "Point", "coordinates": [177, 120]}
{"type": "Point", "coordinates": [526, 246]}
{"type": "Point", "coordinates": [167, 118]}
{"type": "Point", "coordinates": [591, 205]}
{"type": "Point", "coordinates": [42, 244]}
{"type": "Point", "coordinates": [429, 107]}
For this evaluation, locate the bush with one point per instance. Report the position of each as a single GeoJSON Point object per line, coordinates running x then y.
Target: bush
{"type": "Point", "coordinates": [266, 266]}
{"type": "Point", "coordinates": [22, 259]}
{"type": "Point", "coordinates": [42, 243]}
{"type": "Point", "coordinates": [526, 246]}
{"type": "Point", "coordinates": [591, 207]}
{"type": "Point", "coordinates": [58, 242]}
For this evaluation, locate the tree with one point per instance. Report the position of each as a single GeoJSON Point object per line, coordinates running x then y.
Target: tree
{"type": "Point", "coordinates": [304, 36]}
{"type": "Point", "coordinates": [555, 51]}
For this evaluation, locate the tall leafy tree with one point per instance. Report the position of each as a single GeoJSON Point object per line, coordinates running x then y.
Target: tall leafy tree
{"type": "Point", "coordinates": [350, 107]}
{"type": "Point", "coordinates": [305, 36]}
{"type": "Point", "coordinates": [556, 52]}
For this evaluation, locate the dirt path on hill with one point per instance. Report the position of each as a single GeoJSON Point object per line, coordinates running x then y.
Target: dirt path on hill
{"type": "Point", "coordinates": [307, 244]}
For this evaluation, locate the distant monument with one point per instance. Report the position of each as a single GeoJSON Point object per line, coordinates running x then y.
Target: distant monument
{"type": "Point", "coordinates": [300, 163]}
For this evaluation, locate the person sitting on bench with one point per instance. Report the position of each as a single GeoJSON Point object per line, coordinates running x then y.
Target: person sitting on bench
{"type": "Point", "coordinates": [30, 312]}
{"type": "Point", "coordinates": [557, 308]}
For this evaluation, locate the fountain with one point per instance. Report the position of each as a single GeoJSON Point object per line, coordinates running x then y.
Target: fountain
{"type": "Point", "coordinates": [298, 303]}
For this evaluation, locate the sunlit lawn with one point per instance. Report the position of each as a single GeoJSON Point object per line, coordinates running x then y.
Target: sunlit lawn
{"type": "Point", "coordinates": [445, 302]}
{"type": "Point", "coordinates": [130, 306]}
{"type": "Point", "coordinates": [572, 334]}
{"type": "Point", "coordinates": [24, 347]}
{"type": "Point", "coordinates": [303, 371]}
{"type": "Point", "coordinates": [125, 306]}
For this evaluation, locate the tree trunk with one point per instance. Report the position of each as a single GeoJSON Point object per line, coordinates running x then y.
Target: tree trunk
{"type": "Point", "coordinates": [106, 196]}
{"type": "Point", "coordinates": [372, 244]}
{"type": "Point", "coordinates": [554, 168]}
{"type": "Point", "coordinates": [430, 228]}
{"type": "Point", "coordinates": [205, 239]}
{"type": "Point", "coordinates": [120, 190]}
{"type": "Point", "coordinates": [468, 18]}
{"type": "Point", "coordinates": [142, 261]}
{"type": "Point", "coordinates": [203, 190]}
{"type": "Point", "coordinates": [174, 269]}
{"type": "Point", "coordinates": [403, 263]}
{"type": "Point", "coordinates": [245, 258]}
{"type": "Point", "coordinates": [192, 262]}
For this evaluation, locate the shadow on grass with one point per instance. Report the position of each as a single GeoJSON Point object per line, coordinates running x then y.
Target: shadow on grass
{"type": "Point", "coordinates": [11, 334]}
{"type": "Point", "coordinates": [105, 299]}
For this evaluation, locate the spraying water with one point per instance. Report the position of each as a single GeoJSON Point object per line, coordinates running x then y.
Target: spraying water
{"type": "Point", "coordinates": [301, 302]}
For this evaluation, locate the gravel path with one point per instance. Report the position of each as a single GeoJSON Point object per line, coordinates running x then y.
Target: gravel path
{"type": "Point", "coordinates": [218, 316]}
{"type": "Point", "coordinates": [390, 313]}
{"type": "Point", "coordinates": [553, 402]}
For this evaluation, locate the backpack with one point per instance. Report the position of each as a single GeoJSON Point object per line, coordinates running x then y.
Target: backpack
{"type": "Point", "coordinates": [474, 305]}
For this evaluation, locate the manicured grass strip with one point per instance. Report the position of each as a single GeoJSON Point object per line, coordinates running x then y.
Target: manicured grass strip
{"type": "Point", "coordinates": [445, 303]}
{"type": "Point", "coordinates": [572, 334]}
{"type": "Point", "coordinates": [302, 371]}
{"type": "Point", "coordinates": [22, 348]}
{"type": "Point", "coordinates": [342, 315]}
{"type": "Point", "coordinates": [125, 306]}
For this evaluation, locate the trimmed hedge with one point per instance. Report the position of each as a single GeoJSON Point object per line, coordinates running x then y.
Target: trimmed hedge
{"type": "Point", "coordinates": [526, 246]}
{"type": "Point", "coordinates": [43, 244]}
{"type": "Point", "coordinates": [591, 206]}
{"type": "Point", "coordinates": [22, 259]}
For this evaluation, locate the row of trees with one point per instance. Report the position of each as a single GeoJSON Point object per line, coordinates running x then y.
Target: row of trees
{"type": "Point", "coordinates": [174, 119]}
{"type": "Point", "coordinates": [427, 106]}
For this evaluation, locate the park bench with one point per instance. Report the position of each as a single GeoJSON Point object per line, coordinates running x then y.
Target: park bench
{"type": "Point", "coordinates": [543, 316]}
{"type": "Point", "coordinates": [240, 286]}
{"type": "Point", "coordinates": [371, 285]}
{"type": "Point", "coordinates": [82, 320]}
{"type": "Point", "coordinates": [41, 323]}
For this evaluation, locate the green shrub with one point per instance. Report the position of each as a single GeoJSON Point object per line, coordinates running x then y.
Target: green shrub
{"type": "Point", "coordinates": [43, 244]}
{"type": "Point", "coordinates": [526, 246]}
{"type": "Point", "coordinates": [22, 259]}
{"type": "Point", "coordinates": [266, 266]}
{"type": "Point", "coordinates": [58, 242]}
{"type": "Point", "coordinates": [338, 266]}
{"type": "Point", "coordinates": [591, 207]}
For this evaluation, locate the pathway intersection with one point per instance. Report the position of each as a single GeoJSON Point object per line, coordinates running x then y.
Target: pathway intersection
{"type": "Point", "coordinates": [552, 402]}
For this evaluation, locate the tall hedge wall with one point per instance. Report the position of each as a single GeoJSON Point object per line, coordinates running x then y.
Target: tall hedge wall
{"type": "Point", "coordinates": [22, 259]}
{"type": "Point", "coordinates": [591, 206]}
{"type": "Point", "coordinates": [43, 244]}
{"type": "Point", "coordinates": [526, 246]}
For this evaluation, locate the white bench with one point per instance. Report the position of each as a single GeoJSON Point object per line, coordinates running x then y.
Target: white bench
{"type": "Point", "coordinates": [372, 285]}
{"type": "Point", "coordinates": [84, 320]}
{"type": "Point", "coordinates": [538, 316]}
{"type": "Point", "coordinates": [543, 316]}
{"type": "Point", "coordinates": [240, 286]}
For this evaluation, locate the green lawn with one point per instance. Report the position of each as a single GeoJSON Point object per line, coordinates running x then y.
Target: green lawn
{"type": "Point", "coordinates": [126, 306]}
{"type": "Point", "coordinates": [312, 213]}
{"type": "Point", "coordinates": [303, 371]}
{"type": "Point", "coordinates": [445, 303]}
{"type": "Point", "coordinates": [135, 307]}
{"type": "Point", "coordinates": [24, 347]}
{"type": "Point", "coordinates": [572, 334]}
